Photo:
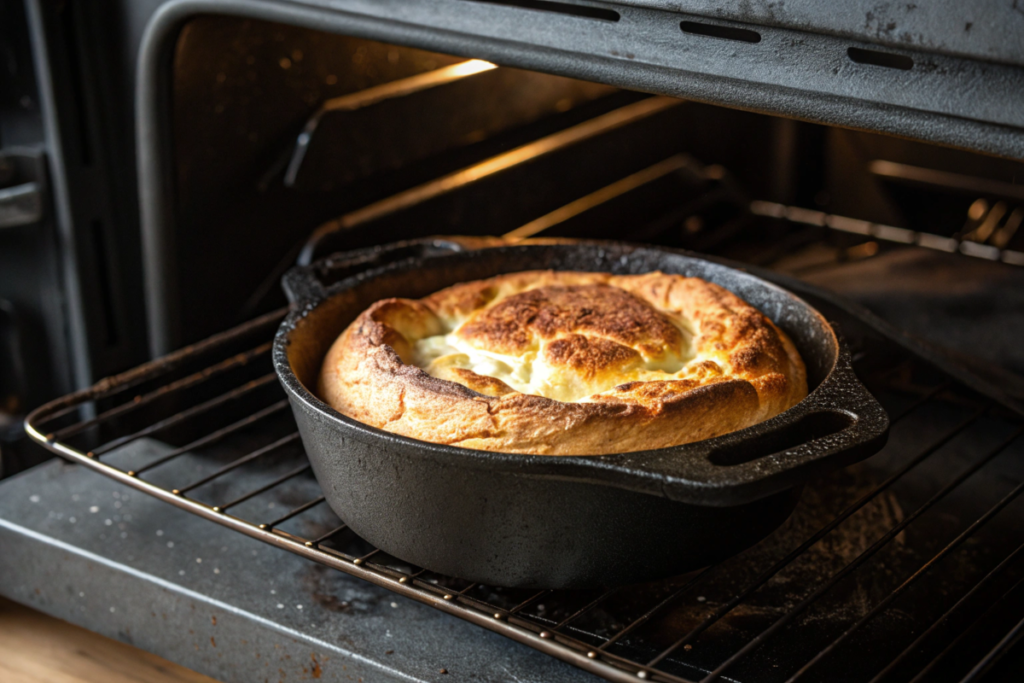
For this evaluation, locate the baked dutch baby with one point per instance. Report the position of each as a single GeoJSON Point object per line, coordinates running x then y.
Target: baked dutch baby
{"type": "Point", "coordinates": [564, 363]}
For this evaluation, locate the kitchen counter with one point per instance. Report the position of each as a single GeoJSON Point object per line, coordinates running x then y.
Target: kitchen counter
{"type": "Point", "coordinates": [35, 647]}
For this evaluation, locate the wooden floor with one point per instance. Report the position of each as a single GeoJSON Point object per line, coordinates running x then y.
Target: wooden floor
{"type": "Point", "coordinates": [37, 648]}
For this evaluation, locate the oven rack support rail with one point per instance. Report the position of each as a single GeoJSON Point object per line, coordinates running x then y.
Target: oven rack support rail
{"type": "Point", "coordinates": [515, 622]}
{"type": "Point", "coordinates": [889, 233]}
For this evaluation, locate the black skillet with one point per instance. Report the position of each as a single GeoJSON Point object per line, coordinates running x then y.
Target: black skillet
{"type": "Point", "coordinates": [571, 521]}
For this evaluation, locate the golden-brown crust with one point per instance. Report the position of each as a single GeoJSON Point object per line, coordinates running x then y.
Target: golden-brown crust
{"type": "Point", "coordinates": [709, 364]}
{"type": "Point", "coordinates": [597, 310]}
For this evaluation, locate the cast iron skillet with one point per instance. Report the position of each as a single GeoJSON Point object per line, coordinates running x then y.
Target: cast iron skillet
{"type": "Point", "coordinates": [562, 522]}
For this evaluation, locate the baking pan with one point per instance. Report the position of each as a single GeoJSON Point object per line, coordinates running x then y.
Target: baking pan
{"type": "Point", "coordinates": [570, 521]}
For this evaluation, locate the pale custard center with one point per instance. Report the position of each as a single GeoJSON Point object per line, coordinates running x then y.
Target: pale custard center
{"type": "Point", "coordinates": [530, 373]}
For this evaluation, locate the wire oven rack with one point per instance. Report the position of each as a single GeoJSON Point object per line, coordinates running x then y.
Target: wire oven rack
{"type": "Point", "coordinates": [944, 605]}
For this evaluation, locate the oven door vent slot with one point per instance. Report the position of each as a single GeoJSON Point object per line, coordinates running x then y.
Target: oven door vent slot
{"type": "Point", "coordinates": [583, 11]}
{"type": "Point", "coordinates": [877, 58]}
{"type": "Point", "coordinates": [742, 35]}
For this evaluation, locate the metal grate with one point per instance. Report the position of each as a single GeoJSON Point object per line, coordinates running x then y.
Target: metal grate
{"type": "Point", "coordinates": [969, 245]}
{"type": "Point", "coordinates": [907, 566]}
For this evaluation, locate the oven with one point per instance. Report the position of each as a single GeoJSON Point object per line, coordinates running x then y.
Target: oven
{"type": "Point", "coordinates": [164, 164]}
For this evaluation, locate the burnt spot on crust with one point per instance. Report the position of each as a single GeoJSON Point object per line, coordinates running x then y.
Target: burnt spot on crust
{"type": "Point", "coordinates": [649, 393]}
{"type": "Point", "coordinates": [588, 355]}
{"type": "Point", "coordinates": [673, 396]}
{"type": "Point", "coordinates": [665, 390]}
{"type": "Point", "coordinates": [488, 386]}
{"type": "Point", "coordinates": [600, 310]}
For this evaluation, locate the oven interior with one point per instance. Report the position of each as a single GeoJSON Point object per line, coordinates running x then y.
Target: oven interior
{"type": "Point", "coordinates": [290, 144]}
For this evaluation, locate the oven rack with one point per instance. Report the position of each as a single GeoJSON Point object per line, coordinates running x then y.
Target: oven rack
{"type": "Point", "coordinates": [158, 398]}
{"type": "Point", "coordinates": [887, 233]}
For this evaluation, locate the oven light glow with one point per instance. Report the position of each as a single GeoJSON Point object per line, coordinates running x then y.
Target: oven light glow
{"type": "Point", "coordinates": [473, 66]}
{"type": "Point", "coordinates": [375, 95]}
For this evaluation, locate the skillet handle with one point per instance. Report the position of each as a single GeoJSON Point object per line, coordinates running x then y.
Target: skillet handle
{"type": "Point", "coordinates": [838, 424]}
{"type": "Point", "coordinates": [304, 284]}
